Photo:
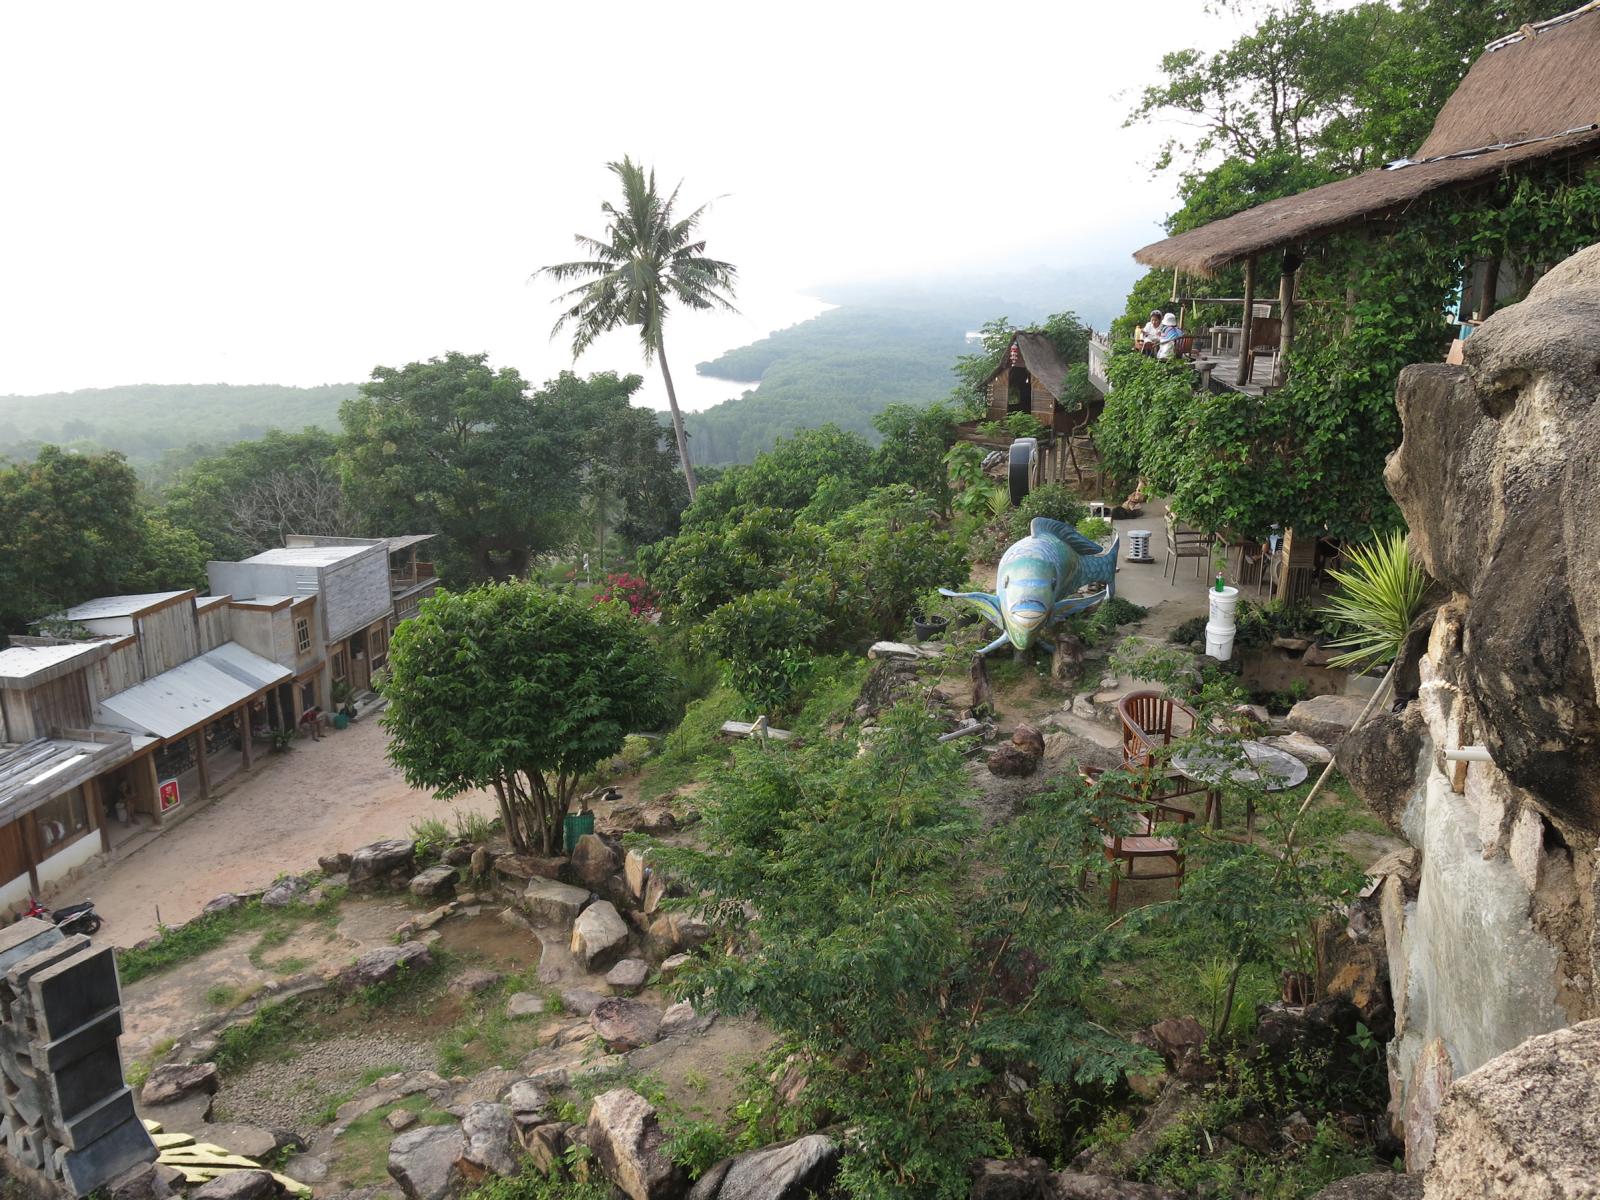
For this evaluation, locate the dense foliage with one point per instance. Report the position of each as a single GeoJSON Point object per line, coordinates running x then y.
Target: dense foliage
{"type": "Point", "coordinates": [854, 919]}
{"type": "Point", "coordinates": [515, 688]}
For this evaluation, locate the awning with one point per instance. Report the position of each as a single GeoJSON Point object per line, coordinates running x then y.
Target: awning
{"type": "Point", "coordinates": [192, 693]}
{"type": "Point", "coordinates": [37, 771]}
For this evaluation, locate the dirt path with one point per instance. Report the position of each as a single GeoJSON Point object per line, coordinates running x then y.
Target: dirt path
{"type": "Point", "coordinates": [321, 797]}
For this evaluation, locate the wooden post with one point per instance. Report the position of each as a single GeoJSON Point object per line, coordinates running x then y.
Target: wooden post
{"type": "Point", "coordinates": [1247, 328]}
{"type": "Point", "coordinates": [246, 751]}
{"type": "Point", "coordinates": [1491, 285]}
{"type": "Point", "coordinates": [95, 805]}
{"type": "Point", "coordinates": [30, 847]}
{"type": "Point", "coordinates": [1286, 282]}
{"type": "Point", "coordinates": [200, 764]}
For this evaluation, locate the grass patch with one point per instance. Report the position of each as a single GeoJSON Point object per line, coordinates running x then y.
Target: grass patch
{"type": "Point", "coordinates": [272, 1032]}
{"type": "Point", "coordinates": [363, 1151]}
{"type": "Point", "coordinates": [530, 1185]}
{"type": "Point", "coordinates": [686, 749]}
{"type": "Point", "coordinates": [223, 995]}
{"type": "Point", "coordinates": [181, 944]}
{"type": "Point", "coordinates": [485, 1036]}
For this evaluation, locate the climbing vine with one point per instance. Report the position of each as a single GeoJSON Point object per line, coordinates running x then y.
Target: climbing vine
{"type": "Point", "coordinates": [1311, 454]}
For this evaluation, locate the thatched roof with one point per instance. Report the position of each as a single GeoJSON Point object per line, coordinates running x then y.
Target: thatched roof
{"type": "Point", "coordinates": [1040, 356]}
{"type": "Point", "coordinates": [1529, 97]}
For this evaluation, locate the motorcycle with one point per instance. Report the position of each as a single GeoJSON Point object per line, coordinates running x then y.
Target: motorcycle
{"type": "Point", "coordinates": [70, 918]}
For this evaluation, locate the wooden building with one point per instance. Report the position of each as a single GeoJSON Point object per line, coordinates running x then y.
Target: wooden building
{"type": "Point", "coordinates": [1530, 99]}
{"type": "Point", "coordinates": [1030, 379]}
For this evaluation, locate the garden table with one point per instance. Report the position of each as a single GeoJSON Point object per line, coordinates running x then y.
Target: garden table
{"type": "Point", "coordinates": [1273, 769]}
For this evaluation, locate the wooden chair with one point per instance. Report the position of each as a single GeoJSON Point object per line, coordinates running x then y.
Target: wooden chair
{"type": "Point", "coordinates": [1141, 842]}
{"type": "Point", "coordinates": [1150, 722]}
{"type": "Point", "coordinates": [1183, 542]}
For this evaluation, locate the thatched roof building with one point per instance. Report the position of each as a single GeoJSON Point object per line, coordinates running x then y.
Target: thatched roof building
{"type": "Point", "coordinates": [1530, 97]}
{"type": "Point", "coordinates": [1030, 379]}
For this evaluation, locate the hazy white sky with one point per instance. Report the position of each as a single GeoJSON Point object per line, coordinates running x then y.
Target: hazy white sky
{"type": "Point", "coordinates": [293, 192]}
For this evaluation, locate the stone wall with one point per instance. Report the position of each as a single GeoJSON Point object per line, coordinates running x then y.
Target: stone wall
{"type": "Point", "coordinates": [1491, 930]}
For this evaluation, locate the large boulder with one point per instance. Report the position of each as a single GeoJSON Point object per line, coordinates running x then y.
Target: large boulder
{"type": "Point", "coordinates": [628, 977]}
{"type": "Point", "coordinates": [1380, 761]}
{"type": "Point", "coordinates": [433, 881]}
{"type": "Point", "coordinates": [385, 964]}
{"type": "Point", "coordinates": [599, 936]}
{"type": "Point", "coordinates": [1010, 761]}
{"type": "Point", "coordinates": [488, 1132]}
{"type": "Point", "coordinates": [1326, 719]}
{"type": "Point", "coordinates": [380, 862]}
{"type": "Point", "coordinates": [336, 863]}
{"type": "Point", "coordinates": [423, 1161]}
{"type": "Point", "coordinates": [1525, 1124]}
{"type": "Point", "coordinates": [550, 903]}
{"type": "Point", "coordinates": [173, 1081]}
{"type": "Point", "coordinates": [286, 891]}
{"type": "Point", "coordinates": [681, 1019]}
{"type": "Point", "coordinates": [624, 1024]}
{"type": "Point", "coordinates": [1495, 474]}
{"type": "Point", "coordinates": [629, 1145]}
{"type": "Point", "coordinates": [238, 1185]}
{"type": "Point", "coordinates": [786, 1171]}
{"type": "Point", "coordinates": [593, 862]}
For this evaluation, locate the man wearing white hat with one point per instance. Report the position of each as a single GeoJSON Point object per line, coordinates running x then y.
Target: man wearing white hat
{"type": "Point", "coordinates": [1170, 333]}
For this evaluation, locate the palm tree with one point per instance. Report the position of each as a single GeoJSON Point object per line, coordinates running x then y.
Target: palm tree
{"type": "Point", "coordinates": [648, 258]}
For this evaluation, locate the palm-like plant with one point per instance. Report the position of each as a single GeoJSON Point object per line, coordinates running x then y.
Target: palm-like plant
{"type": "Point", "coordinates": [648, 258]}
{"type": "Point", "coordinates": [1379, 597]}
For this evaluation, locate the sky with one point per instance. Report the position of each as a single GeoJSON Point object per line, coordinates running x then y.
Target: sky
{"type": "Point", "coordinates": [295, 192]}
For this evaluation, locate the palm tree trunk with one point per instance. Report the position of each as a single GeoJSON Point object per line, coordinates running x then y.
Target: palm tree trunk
{"type": "Point", "coordinates": [677, 423]}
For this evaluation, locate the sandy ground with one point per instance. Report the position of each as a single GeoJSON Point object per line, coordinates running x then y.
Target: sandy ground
{"type": "Point", "coordinates": [319, 798]}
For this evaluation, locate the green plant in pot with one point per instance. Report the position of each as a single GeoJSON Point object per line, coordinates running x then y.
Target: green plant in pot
{"type": "Point", "coordinates": [342, 694]}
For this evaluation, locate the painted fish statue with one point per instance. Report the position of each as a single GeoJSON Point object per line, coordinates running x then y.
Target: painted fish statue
{"type": "Point", "coordinates": [1038, 581]}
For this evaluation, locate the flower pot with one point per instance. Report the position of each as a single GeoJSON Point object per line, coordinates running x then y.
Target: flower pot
{"type": "Point", "coordinates": [929, 627]}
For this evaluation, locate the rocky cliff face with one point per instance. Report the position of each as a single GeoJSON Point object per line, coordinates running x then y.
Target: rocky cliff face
{"type": "Point", "coordinates": [1491, 931]}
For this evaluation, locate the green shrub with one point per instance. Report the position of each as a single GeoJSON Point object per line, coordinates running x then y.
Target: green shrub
{"type": "Point", "coordinates": [1095, 527]}
{"type": "Point", "coordinates": [1053, 500]}
{"type": "Point", "coordinates": [1380, 595]}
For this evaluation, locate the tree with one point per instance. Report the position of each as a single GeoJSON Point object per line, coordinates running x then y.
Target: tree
{"type": "Point", "coordinates": [70, 527]}
{"type": "Point", "coordinates": [167, 557]}
{"type": "Point", "coordinates": [457, 447]}
{"type": "Point", "coordinates": [520, 689]}
{"type": "Point", "coordinates": [648, 258]}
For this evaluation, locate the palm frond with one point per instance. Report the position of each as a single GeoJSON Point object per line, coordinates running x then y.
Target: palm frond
{"type": "Point", "coordinates": [1379, 597]}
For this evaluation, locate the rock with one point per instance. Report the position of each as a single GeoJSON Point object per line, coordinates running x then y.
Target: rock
{"type": "Point", "coordinates": [488, 1132]}
{"type": "Point", "coordinates": [525, 1098]}
{"type": "Point", "coordinates": [524, 1004]}
{"type": "Point", "coordinates": [1007, 761]}
{"type": "Point", "coordinates": [635, 873]}
{"type": "Point", "coordinates": [1073, 1185]}
{"type": "Point", "coordinates": [1374, 1185]}
{"type": "Point", "coordinates": [1317, 656]}
{"type": "Point", "coordinates": [681, 1019]}
{"type": "Point", "coordinates": [434, 881]}
{"type": "Point", "coordinates": [1326, 719]}
{"type": "Point", "coordinates": [547, 1145]}
{"type": "Point", "coordinates": [173, 1081]}
{"type": "Point", "coordinates": [1175, 1105]}
{"type": "Point", "coordinates": [674, 932]}
{"type": "Point", "coordinates": [251, 1141]}
{"type": "Point", "coordinates": [374, 863]}
{"type": "Point", "coordinates": [222, 903]}
{"type": "Point", "coordinates": [458, 856]}
{"type": "Point", "coordinates": [1524, 1123]}
{"type": "Point", "coordinates": [789, 1170]}
{"type": "Point", "coordinates": [1307, 749]}
{"type": "Point", "coordinates": [624, 1024]}
{"type": "Point", "coordinates": [599, 937]}
{"type": "Point", "coordinates": [628, 977]}
{"type": "Point", "coordinates": [238, 1185]}
{"type": "Point", "coordinates": [655, 891]}
{"type": "Point", "coordinates": [1012, 1179]}
{"type": "Point", "coordinates": [400, 1119]}
{"type": "Point", "coordinates": [284, 892]}
{"type": "Point", "coordinates": [593, 862]}
{"type": "Point", "coordinates": [474, 981]}
{"type": "Point", "coordinates": [1172, 1038]}
{"type": "Point", "coordinates": [628, 1143]}
{"type": "Point", "coordinates": [423, 1161]}
{"type": "Point", "coordinates": [580, 1000]}
{"type": "Point", "coordinates": [1380, 761]}
{"type": "Point", "coordinates": [550, 903]}
{"type": "Point", "coordinates": [1294, 645]}
{"type": "Point", "coordinates": [1029, 740]}
{"type": "Point", "coordinates": [337, 863]}
{"type": "Point", "coordinates": [143, 1182]}
{"type": "Point", "coordinates": [672, 964]}
{"type": "Point", "coordinates": [306, 1168]}
{"type": "Point", "coordinates": [385, 964]}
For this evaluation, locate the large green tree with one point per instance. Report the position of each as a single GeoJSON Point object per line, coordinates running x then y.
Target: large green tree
{"type": "Point", "coordinates": [648, 259]}
{"type": "Point", "coordinates": [511, 687]}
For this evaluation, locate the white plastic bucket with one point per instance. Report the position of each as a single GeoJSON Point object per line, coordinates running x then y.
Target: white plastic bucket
{"type": "Point", "coordinates": [1223, 623]}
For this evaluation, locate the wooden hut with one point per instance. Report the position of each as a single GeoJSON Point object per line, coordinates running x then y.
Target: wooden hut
{"type": "Point", "coordinates": [1030, 379]}
{"type": "Point", "coordinates": [1531, 98]}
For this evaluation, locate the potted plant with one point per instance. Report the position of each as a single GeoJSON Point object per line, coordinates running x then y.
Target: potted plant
{"type": "Point", "coordinates": [344, 710]}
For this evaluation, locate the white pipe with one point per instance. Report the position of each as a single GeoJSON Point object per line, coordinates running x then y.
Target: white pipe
{"type": "Point", "coordinates": [1468, 754]}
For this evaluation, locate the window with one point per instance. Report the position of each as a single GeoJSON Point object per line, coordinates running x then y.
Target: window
{"type": "Point", "coordinates": [338, 664]}
{"type": "Point", "coordinates": [302, 635]}
{"type": "Point", "coordinates": [62, 819]}
{"type": "Point", "coordinates": [378, 642]}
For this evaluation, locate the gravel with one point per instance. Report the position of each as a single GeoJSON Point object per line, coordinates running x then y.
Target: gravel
{"type": "Point", "coordinates": [290, 1094]}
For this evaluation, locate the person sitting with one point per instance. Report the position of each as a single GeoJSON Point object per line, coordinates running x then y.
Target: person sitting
{"type": "Point", "coordinates": [1147, 335]}
{"type": "Point", "coordinates": [1170, 334]}
{"type": "Point", "coordinates": [311, 722]}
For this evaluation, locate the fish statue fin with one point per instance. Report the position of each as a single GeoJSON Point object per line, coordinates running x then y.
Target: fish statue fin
{"type": "Point", "coordinates": [1076, 604]}
{"type": "Point", "coordinates": [985, 602]}
{"type": "Point", "coordinates": [1050, 527]}
{"type": "Point", "coordinates": [1101, 566]}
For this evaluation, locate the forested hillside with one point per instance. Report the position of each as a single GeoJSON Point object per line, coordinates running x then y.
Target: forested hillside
{"type": "Point", "coordinates": [144, 421]}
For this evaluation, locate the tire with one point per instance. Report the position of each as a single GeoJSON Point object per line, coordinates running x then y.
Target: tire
{"type": "Point", "coordinates": [1020, 468]}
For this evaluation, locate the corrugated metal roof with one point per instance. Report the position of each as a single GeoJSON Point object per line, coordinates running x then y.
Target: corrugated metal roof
{"type": "Point", "coordinates": [28, 664]}
{"type": "Point", "coordinates": [260, 601]}
{"type": "Point", "coordinates": [309, 556]}
{"type": "Point", "coordinates": [36, 771]}
{"type": "Point", "coordinates": [406, 540]}
{"type": "Point", "coordinates": [190, 693]}
{"type": "Point", "coordinates": [120, 606]}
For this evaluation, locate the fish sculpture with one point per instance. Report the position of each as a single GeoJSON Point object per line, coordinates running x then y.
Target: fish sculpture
{"type": "Point", "coordinates": [1038, 581]}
